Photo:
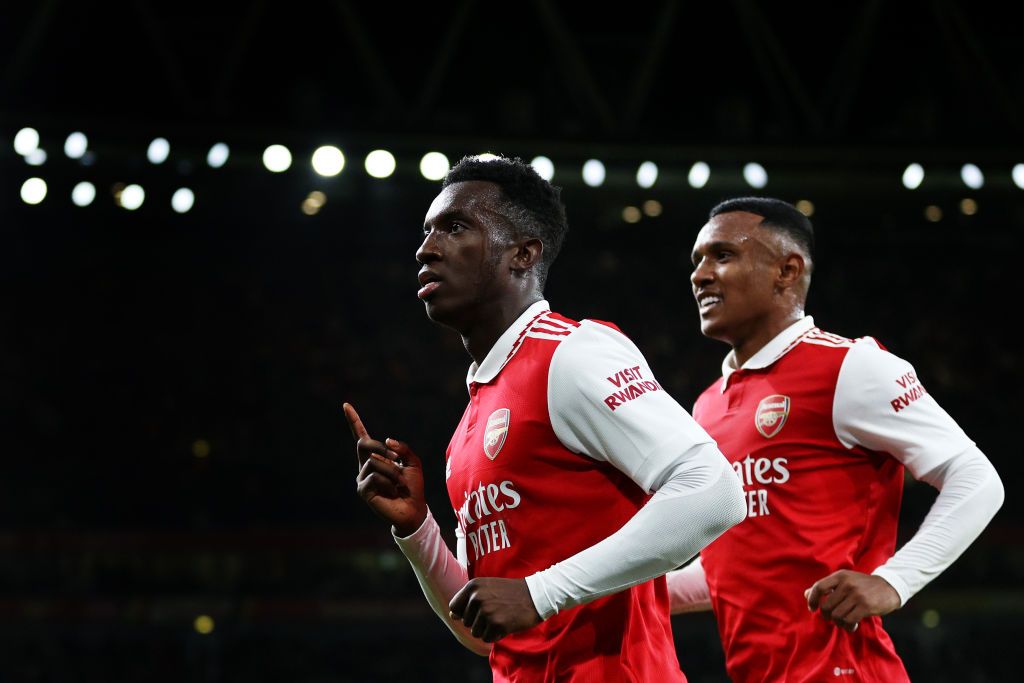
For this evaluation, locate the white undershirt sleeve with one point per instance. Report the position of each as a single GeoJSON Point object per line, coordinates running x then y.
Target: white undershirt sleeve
{"type": "Point", "coordinates": [647, 435]}
{"type": "Point", "coordinates": [880, 404]}
{"type": "Point", "coordinates": [441, 575]}
{"type": "Point", "coordinates": [688, 589]}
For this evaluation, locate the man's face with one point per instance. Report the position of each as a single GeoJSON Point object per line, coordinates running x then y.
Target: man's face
{"type": "Point", "coordinates": [464, 255]}
{"type": "Point", "coordinates": [735, 270]}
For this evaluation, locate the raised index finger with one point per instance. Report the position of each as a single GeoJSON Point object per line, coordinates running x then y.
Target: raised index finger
{"type": "Point", "coordinates": [354, 423]}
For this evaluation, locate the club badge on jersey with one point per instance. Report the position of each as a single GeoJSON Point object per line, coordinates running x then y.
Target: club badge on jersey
{"type": "Point", "coordinates": [497, 430]}
{"type": "Point", "coordinates": [771, 414]}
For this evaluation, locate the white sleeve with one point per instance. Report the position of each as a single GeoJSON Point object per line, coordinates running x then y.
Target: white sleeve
{"type": "Point", "coordinates": [688, 512]}
{"type": "Point", "coordinates": [688, 589]}
{"type": "Point", "coordinates": [604, 402]}
{"type": "Point", "coordinates": [970, 492]}
{"type": "Point", "coordinates": [440, 575]}
{"type": "Point", "coordinates": [880, 404]}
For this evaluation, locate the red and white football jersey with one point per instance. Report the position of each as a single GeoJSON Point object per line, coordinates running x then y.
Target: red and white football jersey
{"type": "Point", "coordinates": [818, 428]}
{"type": "Point", "coordinates": [565, 433]}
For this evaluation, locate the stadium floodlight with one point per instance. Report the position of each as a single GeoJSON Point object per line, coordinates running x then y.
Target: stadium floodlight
{"type": "Point", "coordinates": [132, 197]}
{"type": "Point", "coordinates": [593, 173]}
{"type": "Point", "coordinates": [699, 174]}
{"type": "Point", "coordinates": [1018, 175]}
{"type": "Point", "coordinates": [26, 141]}
{"type": "Point", "coordinates": [647, 175]}
{"type": "Point", "coordinates": [182, 200]}
{"type": "Point", "coordinates": [83, 193]}
{"type": "Point", "coordinates": [218, 155]}
{"type": "Point", "coordinates": [434, 166]}
{"type": "Point", "coordinates": [972, 176]}
{"type": "Point", "coordinates": [544, 167]}
{"type": "Point", "coordinates": [76, 145]}
{"type": "Point", "coordinates": [36, 157]}
{"type": "Point", "coordinates": [328, 161]}
{"type": "Point", "coordinates": [33, 191]}
{"type": "Point", "coordinates": [277, 158]}
{"type": "Point", "coordinates": [380, 163]}
{"type": "Point", "coordinates": [755, 175]}
{"type": "Point", "coordinates": [913, 176]}
{"type": "Point", "coordinates": [158, 151]}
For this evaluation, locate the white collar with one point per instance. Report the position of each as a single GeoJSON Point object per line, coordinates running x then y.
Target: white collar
{"type": "Point", "coordinates": [505, 347]}
{"type": "Point", "coordinates": [770, 352]}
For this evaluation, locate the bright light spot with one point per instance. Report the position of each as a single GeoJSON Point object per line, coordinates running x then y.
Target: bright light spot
{"type": "Point", "coordinates": [755, 175]}
{"type": "Point", "coordinates": [544, 167]}
{"type": "Point", "coordinates": [434, 166]}
{"type": "Point", "coordinates": [36, 157]}
{"type": "Point", "coordinates": [76, 145]}
{"type": "Point", "coordinates": [593, 173]}
{"type": "Point", "coordinates": [203, 624]}
{"type": "Point", "coordinates": [132, 197]}
{"type": "Point", "coordinates": [486, 156]}
{"type": "Point", "coordinates": [652, 208]}
{"type": "Point", "coordinates": [201, 449]}
{"type": "Point", "coordinates": [1018, 176]}
{"type": "Point", "coordinates": [806, 207]}
{"type": "Point", "coordinates": [380, 163]}
{"type": "Point", "coordinates": [312, 204]}
{"type": "Point", "coordinates": [33, 190]}
{"type": "Point", "coordinates": [328, 160]}
{"type": "Point", "coordinates": [83, 194]}
{"type": "Point", "coordinates": [631, 214]}
{"type": "Point", "coordinates": [932, 213]}
{"type": "Point", "coordinates": [972, 176]}
{"type": "Point", "coordinates": [182, 200]}
{"type": "Point", "coordinates": [26, 140]}
{"type": "Point", "coordinates": [913, 176]}
{"type": "Point", "coordinates": [158, 151]}
{"type": "Point", "coordinates": [930, 618]}
{"type": "Point", "coordinates": [218, 155]}
{"type": "Point", "coordinates": [647, 174]}
{"type": "Point", "coordinates": [968, 207]}
{"type": "Point", "coordinates": [277, 158]}
{"type": "Point", "coordinates": [699, 174]}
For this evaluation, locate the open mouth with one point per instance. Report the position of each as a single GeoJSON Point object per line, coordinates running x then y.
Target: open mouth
{"type": "Point", "coordinates": [707, 302]}
{"type": "Point", "coordinates": [429, 282]}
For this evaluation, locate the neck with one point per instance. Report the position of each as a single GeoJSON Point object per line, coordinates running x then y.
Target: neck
{"type": "Point", "coordinates": [743, 349]}
{"type": "Point", "coordinates": [480, 338]}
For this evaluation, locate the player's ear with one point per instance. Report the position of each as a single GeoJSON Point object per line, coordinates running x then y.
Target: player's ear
{"type": "Point", "coordinates": [791, 271]}
{"type": "Point", "coordinates": [528, 254]}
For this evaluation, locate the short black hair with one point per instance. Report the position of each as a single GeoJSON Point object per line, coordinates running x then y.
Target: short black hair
{"type": "Point", "coordinates": [535, 205]}
{"type": "Point", "coordinates": [777, 214]}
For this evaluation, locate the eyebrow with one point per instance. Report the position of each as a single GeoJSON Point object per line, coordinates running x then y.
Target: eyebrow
{"type": "Point", "coordinates": [450, 215]}
{"type": "Point", "coordinates": [714, 246]}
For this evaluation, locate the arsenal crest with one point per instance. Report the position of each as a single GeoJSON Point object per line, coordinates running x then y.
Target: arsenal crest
{"type": "Point", "coordinates": [771, 414]}
{"type": "Point", "coordinates": [496, 431]}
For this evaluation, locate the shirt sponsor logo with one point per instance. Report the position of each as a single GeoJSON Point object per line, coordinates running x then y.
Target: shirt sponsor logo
{"type": "Point", "coordinates": [486, 500]}
{"type": "Point", "coordinates": [764, 471]}
{"type": "Point", "coordinates": [496, 431]}
{"type": "Point", "coordinates": [772, 413]}
{"type": "Point", "coordinates": [631, 384]}
{"type": "Point", "coordinates": [914, 391]}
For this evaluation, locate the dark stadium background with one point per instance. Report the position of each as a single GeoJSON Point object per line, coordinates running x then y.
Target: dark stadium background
{"type": "Point", "coordinates": [171, 439]}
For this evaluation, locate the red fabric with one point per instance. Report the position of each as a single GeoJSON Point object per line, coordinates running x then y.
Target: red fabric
{"type": "Point", "coordinates": [537, 503]}
{"type": "Point", "coordinates": [813, 507]}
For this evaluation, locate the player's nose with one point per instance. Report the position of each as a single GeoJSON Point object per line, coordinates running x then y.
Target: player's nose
{"type": "Point", "coordinates": [429, 250]}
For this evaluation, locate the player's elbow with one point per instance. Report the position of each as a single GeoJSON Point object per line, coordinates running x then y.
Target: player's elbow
{"type": "Point", "coordinates": [729, 508]}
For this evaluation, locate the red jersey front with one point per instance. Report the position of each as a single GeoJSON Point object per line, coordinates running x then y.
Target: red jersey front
{"type": "Point", "coordinates": [814, 505]}
{"type": "Point", "coordinates": [525, 501]}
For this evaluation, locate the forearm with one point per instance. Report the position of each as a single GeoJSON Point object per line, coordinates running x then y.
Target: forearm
{"type": "Point", "coordinates": [440, 576]}
{"type": "Point", "coordinates": [688, 589]}
{"type": "Point", "coordinates": [970, 492]}
{"type": "Point", "coordinates": [680, 519]}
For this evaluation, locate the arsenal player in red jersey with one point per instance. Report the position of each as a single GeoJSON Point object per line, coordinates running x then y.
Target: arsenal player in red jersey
{"type": "Point", "coordinates": [819, 430]}
{"type": "Point", "coordinates": [576, 481]}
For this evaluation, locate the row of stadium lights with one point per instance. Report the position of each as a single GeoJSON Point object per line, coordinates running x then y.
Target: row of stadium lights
{"type": "Point", "coordinates": [329, 161]}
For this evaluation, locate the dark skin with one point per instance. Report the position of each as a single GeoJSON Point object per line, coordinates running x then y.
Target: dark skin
{"type": "Point", "coordinates": [751, 283]}
{"type": "Point", "coordinates": [476, 280]}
